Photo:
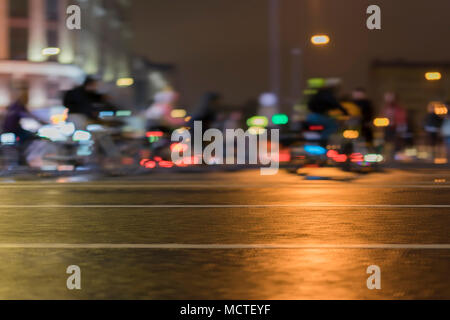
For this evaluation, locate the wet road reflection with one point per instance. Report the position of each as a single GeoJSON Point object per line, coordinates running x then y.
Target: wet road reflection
{"type": "Point", "coordinates": [251, 273]}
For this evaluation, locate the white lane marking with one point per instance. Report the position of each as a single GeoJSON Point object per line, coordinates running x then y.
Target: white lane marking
{"type": "Point", "coordinates": [247, 186]}
{"type": "Point", "coordinates": [181, 206]}
{"type": "Point", "coordinates": [219, 246]}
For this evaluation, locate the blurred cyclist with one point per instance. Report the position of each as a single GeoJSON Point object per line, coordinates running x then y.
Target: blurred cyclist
{"type": "Point", "coordinates": [206, 112]}
{"type": "Point", "coordinates": [12, 124]}
{"type": "Point", "coordinates": [432, 127]}
{"type": "Point", "coordinates": [398, 121]}
{"type": "Point", "coordinates": [319, 106]}
{"type": "Point", "coordinates": [81, 100]}
{"type": "Point", "coordinates": [359, 97]}
{"type": "Point", "coordinates": [445, 131]}
{"type": "Point", "coordinates": [158, 115]}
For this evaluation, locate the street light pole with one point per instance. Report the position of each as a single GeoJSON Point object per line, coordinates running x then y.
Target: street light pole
{"type": "Point", "coordinates": [274, 49]}
{"type": "Point", "coordinates": [296, 57]}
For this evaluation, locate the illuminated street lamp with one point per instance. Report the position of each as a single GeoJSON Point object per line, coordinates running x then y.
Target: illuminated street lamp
{"type": "Point", "coordinates": [433, 76]}
{"type": "Point", "coordinates": [320, 40]}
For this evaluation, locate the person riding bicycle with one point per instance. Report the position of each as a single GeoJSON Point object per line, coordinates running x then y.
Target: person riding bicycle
{"type": "Point", "coordinates": [319, 105]}
{"type": "Point", "coordinates": [359, 97]}
{"type": "Point", "coordinates": [84, 104]}
{"type": "Point", "coordinates": [398, 123]}
{"type": "Point", "coordinates": [12, 124]}
{"type": "Point", "coordinates": [81, 100]}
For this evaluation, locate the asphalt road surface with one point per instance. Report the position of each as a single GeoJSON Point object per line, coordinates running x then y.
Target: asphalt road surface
{"type": "Point", "coordinates": [234, 235]}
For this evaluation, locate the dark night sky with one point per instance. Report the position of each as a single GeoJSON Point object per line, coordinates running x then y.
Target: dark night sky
{"type": "Point", "coordinates": [223, 44]}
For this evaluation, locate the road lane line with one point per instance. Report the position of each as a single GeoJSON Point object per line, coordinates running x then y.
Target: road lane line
{"type": "Point", "coordinates": [220, 246]}
{"type": "Point", "coordinates": [185, 206]}
{"type": "Point", "coordinates": [205, 186]}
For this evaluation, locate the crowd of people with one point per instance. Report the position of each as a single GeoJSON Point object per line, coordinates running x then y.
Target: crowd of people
{"type": "Point", "coordinates": [86, 102]}
{"type": "Point", "coordinates": [398, 128]}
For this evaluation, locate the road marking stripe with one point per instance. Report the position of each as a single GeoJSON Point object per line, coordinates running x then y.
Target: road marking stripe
{"type": "Point", "coordinates": [181, 206]}
{"type": "Point", "coordinates": [205, 186]}
{"type": "Point", "coordinates": [220, 246]}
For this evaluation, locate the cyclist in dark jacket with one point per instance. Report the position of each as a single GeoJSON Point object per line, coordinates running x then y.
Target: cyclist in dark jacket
{"type": "Point", "coordinates": [319, 106]}
{"type": "Point", "coordinates": [82, 99]}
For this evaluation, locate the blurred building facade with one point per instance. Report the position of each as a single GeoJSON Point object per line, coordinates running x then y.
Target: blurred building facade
{"type": "Point", "coordinates": [29, 29]}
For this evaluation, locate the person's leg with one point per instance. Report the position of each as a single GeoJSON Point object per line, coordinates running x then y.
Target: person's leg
{"type": "Point", "coordinates": [107, 145]}
{"type": "Point", "coordinates": [432, 143]}
{"type": "Point", "coordinates": [389, 143]}
{"type": "Point", "coordinates": [367, 133]}
{"type": "Point", "coordinates": [25, 138]}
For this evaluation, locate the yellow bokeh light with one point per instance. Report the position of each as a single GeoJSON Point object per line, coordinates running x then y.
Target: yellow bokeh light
{"type": "Point", "coordinates": [51, 51]}
{"type": "Point", "coordinates": [440, 161]}
{"type": "Point", "coordinates": [381, 122]}
{"type": "Point", "coordinates": [125, 82]}
{"type": "Point", "coordinates": [59, 118]}
{"type": "Point", "coordinates": [178, 113]}
{"type": "Point", "coordinates": [433, 76]}
{"type": "Point", "coordinates": [321, 39]}
{"type": "Point", "coordinates": [351, 134]}
{"type": "Point", "coordinates": [440, 110]}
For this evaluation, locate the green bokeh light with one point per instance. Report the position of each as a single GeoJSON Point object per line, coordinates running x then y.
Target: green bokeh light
{"type": "Point", "coordinates": [280, 119]}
